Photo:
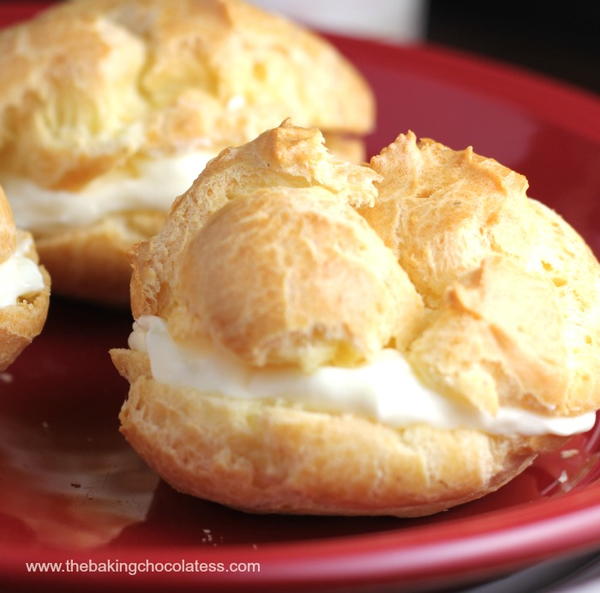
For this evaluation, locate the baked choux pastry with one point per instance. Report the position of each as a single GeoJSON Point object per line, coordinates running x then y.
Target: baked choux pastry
{"type": "Point", "coordinates": [110, 108]}
{"type": "Point", "coordinates": [314, 336]}
{"type": "Point", "coordinates": [24, 288]}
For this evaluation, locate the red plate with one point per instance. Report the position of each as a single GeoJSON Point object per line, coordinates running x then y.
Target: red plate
{"type": "Point", "coordinates": [72, 490]}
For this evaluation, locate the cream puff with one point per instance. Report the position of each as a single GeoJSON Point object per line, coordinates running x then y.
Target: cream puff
{"type": "Point", "coordinates": [313, 336]}
{"type": "Point", "coordinates": [24, 288]}
{"type": "Point", "coordinates": [110, 108]}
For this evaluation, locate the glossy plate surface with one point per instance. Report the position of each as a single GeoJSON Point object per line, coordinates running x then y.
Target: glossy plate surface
{"type": "Point", "coordinates": [71, 488]}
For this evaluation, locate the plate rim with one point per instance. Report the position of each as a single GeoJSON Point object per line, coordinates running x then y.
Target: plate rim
{"type": "Point", "coordinates": [497, 540]}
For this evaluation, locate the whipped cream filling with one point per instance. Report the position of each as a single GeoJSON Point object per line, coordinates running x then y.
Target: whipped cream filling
{"type": "Point", "coordinates": [157, 183]}
{"type": "Point", "coordinates": [19, 275]}
{"type": "Point", "coordinates": [385, 389]}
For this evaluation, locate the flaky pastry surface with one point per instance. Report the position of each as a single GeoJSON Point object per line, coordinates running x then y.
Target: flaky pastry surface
{"type": "Point", "coordinates": [463, 273]}
{"type": "Point", "coordinates": [91, 84]}
{"type": "Point", "coordinates": [500, 269]}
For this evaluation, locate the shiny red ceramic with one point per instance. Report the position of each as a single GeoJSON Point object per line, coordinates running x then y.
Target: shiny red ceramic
{"type": "Point", "coordinates": [71, 490]}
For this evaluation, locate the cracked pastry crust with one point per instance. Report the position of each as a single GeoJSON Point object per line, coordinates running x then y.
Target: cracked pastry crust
{"type": "Point", "coordinates": [22, 322]}
{"type": "Point", "coordinates": [90, 87]}
{"type": "Point", "coordinates": [452, 278]}
{"type": "Point", "coordinates": [474, 245]}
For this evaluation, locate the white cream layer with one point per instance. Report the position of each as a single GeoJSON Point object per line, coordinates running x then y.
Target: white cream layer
{"type": "Point", "coordinates": [157, 183]}
{"type": "Point", "coordinates": [19, 275]}
{"type": "Point", "coordinates": [386, 389]}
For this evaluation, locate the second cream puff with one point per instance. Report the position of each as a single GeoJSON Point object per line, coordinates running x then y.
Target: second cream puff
{"type": "Point", "coordinates": [111, 108]}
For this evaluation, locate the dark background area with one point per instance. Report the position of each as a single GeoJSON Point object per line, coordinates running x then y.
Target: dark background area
{"type": "Point", "coordinates": [560, 39]}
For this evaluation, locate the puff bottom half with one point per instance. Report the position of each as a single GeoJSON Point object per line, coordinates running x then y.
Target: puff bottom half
{"type": "Point", "coordinates": [270, 458]}
{"type": "Point", "coordinates": [92, 262]}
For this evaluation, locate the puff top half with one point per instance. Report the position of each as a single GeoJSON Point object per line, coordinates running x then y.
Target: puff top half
{"type": "Point", "coordinates": [283, 254]}
{"type": "Point", "coordinates": [266, 256]}
{"type": "Point", "coordinates": [90, 84]}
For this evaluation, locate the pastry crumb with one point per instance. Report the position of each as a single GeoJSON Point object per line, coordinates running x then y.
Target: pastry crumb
{"type": "Point", "coordinates": [568, 453]}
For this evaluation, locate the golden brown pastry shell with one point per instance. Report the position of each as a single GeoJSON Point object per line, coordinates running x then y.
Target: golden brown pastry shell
{"type": "Point", "coordinates": [503, 325]}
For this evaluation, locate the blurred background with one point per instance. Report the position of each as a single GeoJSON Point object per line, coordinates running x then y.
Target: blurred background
{"type": "Point", "coordinates": [559, 39]}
